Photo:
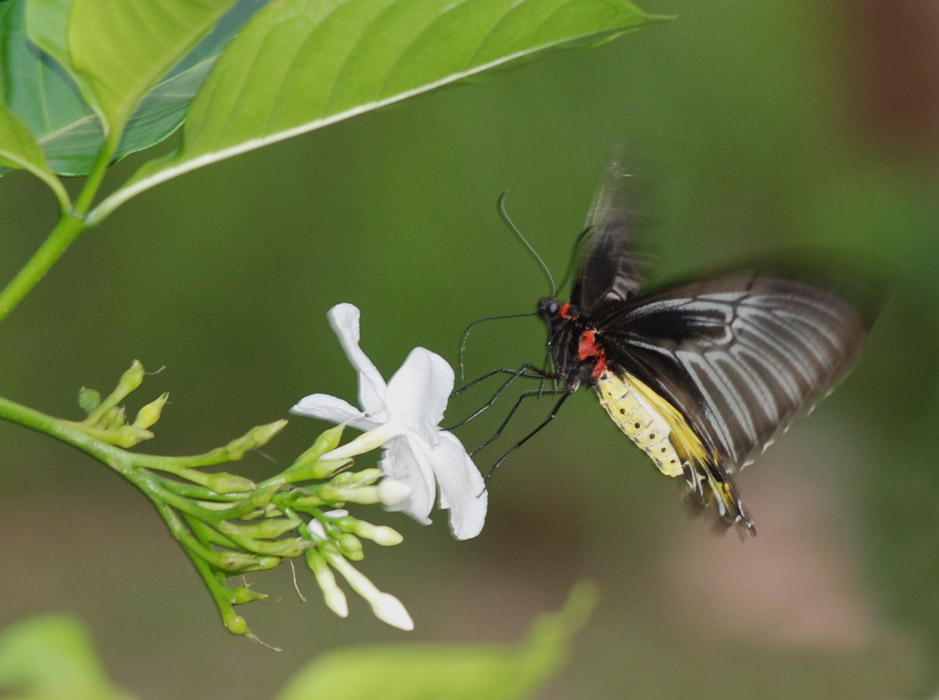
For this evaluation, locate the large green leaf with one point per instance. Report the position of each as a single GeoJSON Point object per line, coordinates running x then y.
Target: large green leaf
{"type": "Point", "coordinates": [302, 64]}
{"type": "Point", "coordinates": [41, 91]}
{"type": "Point", "coordinates": [121, 48]}
{"type": "Point", "coordinates": [448, 672]}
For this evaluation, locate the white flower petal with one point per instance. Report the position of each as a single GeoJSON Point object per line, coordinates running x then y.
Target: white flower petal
{"type": "Point", "coordinates": [402, 461]}
{"type": "Point", "coordinates": [326, 407]}
{"type": "Point", "coordinates": [344, 319]}
{"type": "Point", "coordinates": [418, 392]}
{"type": "Point", "coordinates": [462, 489]}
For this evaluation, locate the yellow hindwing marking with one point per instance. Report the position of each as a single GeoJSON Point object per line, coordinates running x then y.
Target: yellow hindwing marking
{"type": "Point", "coordinates": [651, 422]}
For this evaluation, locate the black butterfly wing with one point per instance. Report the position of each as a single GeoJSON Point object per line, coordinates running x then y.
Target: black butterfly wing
{"type": "Point", "coordinates": [739, 356]}
{"type": "Point", "coordinates": [607, 272]}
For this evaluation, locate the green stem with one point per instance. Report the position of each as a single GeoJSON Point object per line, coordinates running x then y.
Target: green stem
{"type": "Point", "coordinates": [62, 236]}
{"type": "Point", "coordinates": [121, 461]}
{"type": "Point", "coordinates": [222, 596]}
{"type": "Point", "coordinates": [116, 458]}
{"type": "Point", "coordinates": [70, 226]}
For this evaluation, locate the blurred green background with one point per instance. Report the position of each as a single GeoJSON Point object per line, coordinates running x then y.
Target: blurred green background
{"type": "Point", "coordinates": [755, 128]}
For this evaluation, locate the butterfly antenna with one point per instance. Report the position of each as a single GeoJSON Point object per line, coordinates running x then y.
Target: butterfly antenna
{"type": "Point", "coordinates": [476, 323]}
{"type": "Point", "coordinates": [524, 241]}
{"type": "Point", "coordinates": [575, 255]}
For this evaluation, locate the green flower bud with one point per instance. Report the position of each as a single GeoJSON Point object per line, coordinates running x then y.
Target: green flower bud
{"type": "Point", "coordinates": [240, 595]}
{"type": "Point", "coordinates": [349, 544]}
{"type": "Point", "coordinates": [126, 436]}
{"type": "Point", "coordinates": [113, 419]}
{"type": "Point", "coordinates": [130, 380]}
{"type": "Point", "coordinates": [235, 624]}
{"type": "Point", "coordinates": [266, 529]}
{"type": "Point", "coordinates": [224, 482]}
{"type": "Point", "coordinates": [365, 476]}
{"type": "Point", "coordinates": [150, 414]}
{"type": "Point", "coordinates": [239, 561]}
{"type": "Point", "coordinates": [380, 534]}
{"type": "Point", "coordinates": [88, 399]}
{"type": "Point", "coordinates": [320, 469]}
{"type": "Point", "coordinates": [256, 437]}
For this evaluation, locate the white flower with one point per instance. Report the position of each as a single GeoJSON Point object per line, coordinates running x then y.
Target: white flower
{"type": "Point", "coordinates": [403, 416]}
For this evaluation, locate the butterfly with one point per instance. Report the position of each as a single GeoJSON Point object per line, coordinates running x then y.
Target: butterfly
{"type": "Point", "coordinates": [701, 376]}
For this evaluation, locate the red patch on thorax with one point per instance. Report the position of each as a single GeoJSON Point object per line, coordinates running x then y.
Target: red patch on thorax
{"type": "Point", "coordinates": [587, 348]}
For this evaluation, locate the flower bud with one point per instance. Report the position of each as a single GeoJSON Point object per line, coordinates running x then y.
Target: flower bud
{"type": "Point", "coordinates": [241, 594]}
{"type": "Point", "coordinates": [384, 536]}
{"type": "Point", "coordinates": [150, 414]}
{"type": "Point", "coordinates": [352, 494]}
{"type": "Point", "coordinates": [334, 598]}
{"type": "Point", "coordinates": [381, 534]}
{"type": "Point", "coordinates": [130, 380]}
{"type": "Point", "coordinates": [113, 418]}
{"type": "Point", "coordinates": [393, 492]}
{"type": "Point", "coordinates": [392, 612]}
{"type": "Point", "coordinates": [88, 399]}
{"type": "Point", "coordinates": [235, 624]}
{"type": "Point", "coordinates": [326, 441]}
{"type": "Point", "coordinates": [256, 437]}
{"type": "Point", "coordinates": [225, 482]}
{"type": "Point", "coordinates": [126, 436]}
{"type": "Point", "coordinates": [350, 545]}
{"type": "Point", "coordinates": [366, 442]}
{"type": "Point", "coordinates": [385, 606]}
{"type": "Point", "coordinates": [361, 477]}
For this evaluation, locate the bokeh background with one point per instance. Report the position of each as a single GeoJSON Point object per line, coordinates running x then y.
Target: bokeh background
{"type": "Point", "coordinates": [756, 128]}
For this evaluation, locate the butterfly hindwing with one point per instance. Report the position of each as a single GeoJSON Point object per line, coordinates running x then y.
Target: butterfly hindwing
{"type": "Point", "coordinates": [739, 356]}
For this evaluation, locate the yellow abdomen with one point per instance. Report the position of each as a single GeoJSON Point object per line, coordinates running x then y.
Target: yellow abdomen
{"type": "Point", "coordinates": [652, 423]}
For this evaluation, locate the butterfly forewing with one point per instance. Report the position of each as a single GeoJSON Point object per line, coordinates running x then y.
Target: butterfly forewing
{"type": "Point", "coordinates": [608, 272]}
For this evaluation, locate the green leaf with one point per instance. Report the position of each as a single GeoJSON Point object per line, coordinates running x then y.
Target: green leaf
{"type": "Point", "coordinates": [40, 90]}
{"type": "Point", "coordinates": [302, 64]}
{"type": "Point", "coordinates": [37, 90]}
{"type": "Point", "coordinates": [120, 48]}
{"type": "Point", "coordinates": [52, 657]}
{"type": "Point", "coordinates": [464, 672]}
{"type": "Point", "coordinates": [18, 150]}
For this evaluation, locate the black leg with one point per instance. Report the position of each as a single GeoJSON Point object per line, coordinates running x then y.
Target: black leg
{"type": "Point", "coordinates": [526, 370]}
{"type": "Point", "coordinates": [522, 397]}
{"type": "Point", "coordinates": [530, 435]}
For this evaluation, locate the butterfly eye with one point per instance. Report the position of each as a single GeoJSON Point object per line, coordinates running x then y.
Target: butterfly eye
{"type": "Point", "coordinates": [550, 308]}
